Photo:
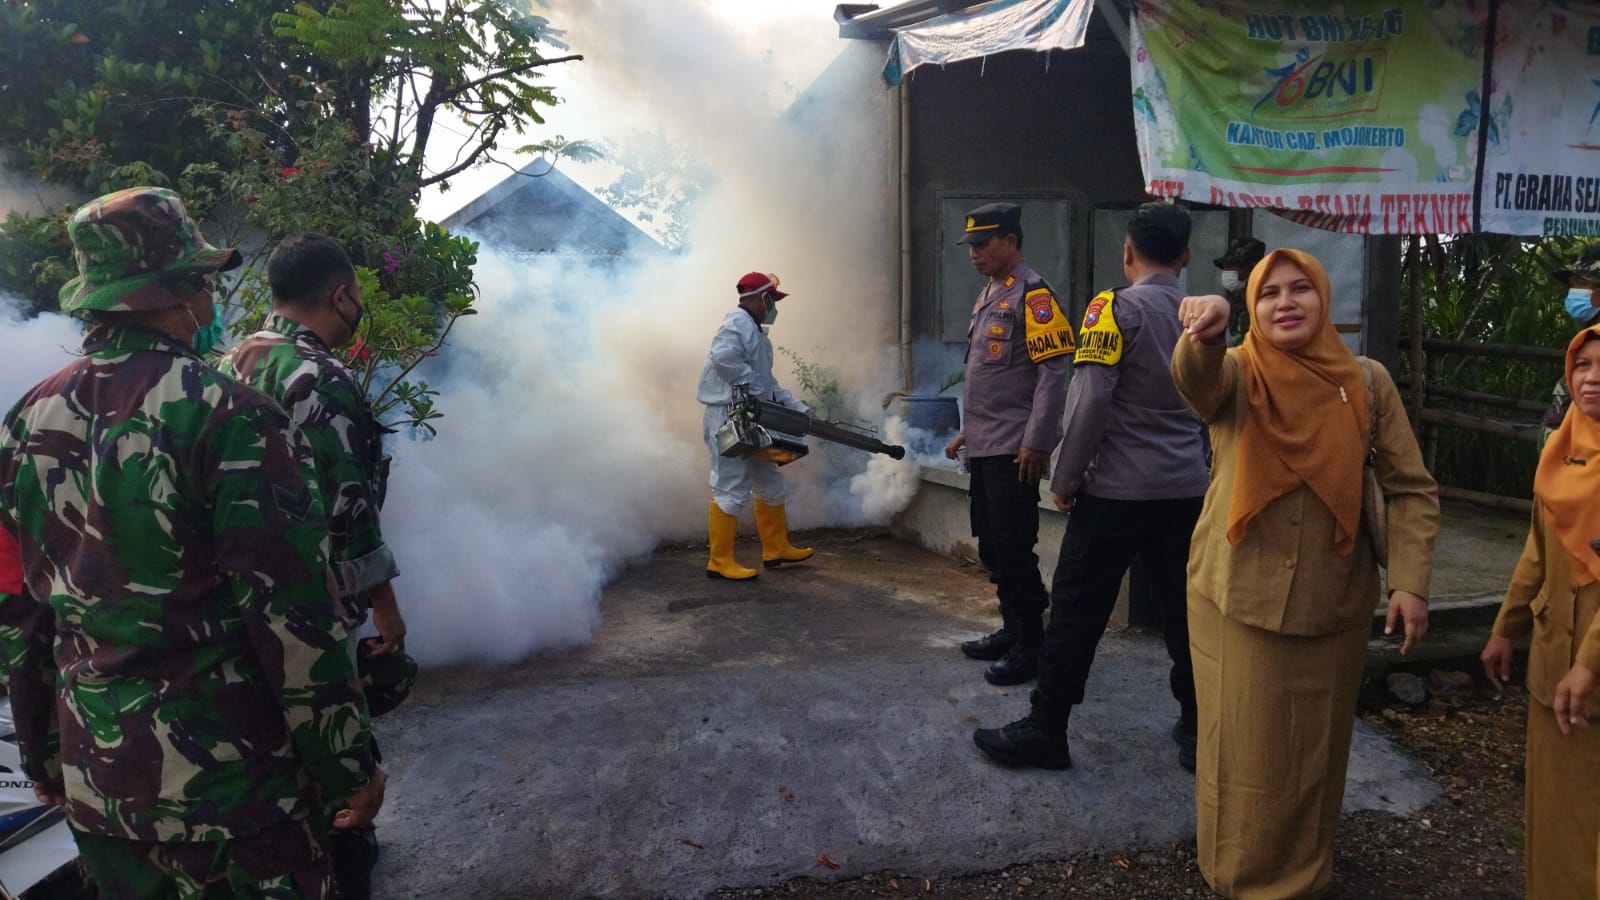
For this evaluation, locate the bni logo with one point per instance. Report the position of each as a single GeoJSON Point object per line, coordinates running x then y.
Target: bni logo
{"type": "Point", "coordinates": [1327, 86]}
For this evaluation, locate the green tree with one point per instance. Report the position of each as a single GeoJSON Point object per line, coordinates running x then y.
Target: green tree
{"type": "Point", "coordinates": [1497, 289]}
{"type": "Point", "coordinates": [273, 117]}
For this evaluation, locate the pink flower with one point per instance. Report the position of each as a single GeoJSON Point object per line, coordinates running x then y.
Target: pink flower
{"type": "Point", "coordinates": [288, 171]}
{"type": "Point", "coordinates": [359, 351]}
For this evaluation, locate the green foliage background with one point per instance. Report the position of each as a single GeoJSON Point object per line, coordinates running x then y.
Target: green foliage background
{"type": "Point", "coordinates": [1491, 289]}
{"type": "Point", "coordinates": [271, 118]}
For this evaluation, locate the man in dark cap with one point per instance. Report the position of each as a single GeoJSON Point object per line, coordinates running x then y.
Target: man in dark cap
{"type": "Point", "coordinates": [176, 619]}
{"type": "Point", "coordinates": [1235, 266]}
{"type": "Point", "coordinates": [1131, 471]}
{"type": "Point", "coordinates": [1019, 347]}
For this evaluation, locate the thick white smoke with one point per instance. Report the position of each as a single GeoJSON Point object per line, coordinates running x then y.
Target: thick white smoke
{"type": "Point", "coordinates": [32, 349]}
{"type": "Point", "coordinates": [571, 439]}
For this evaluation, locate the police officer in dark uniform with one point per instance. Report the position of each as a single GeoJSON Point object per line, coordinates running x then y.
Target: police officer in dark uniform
{"type": "Point", "coordinates": [1018, 346]}
{"type": "Point", "coordinates": [1131, 471]}
{"type": "Point", "coordinates": [1235, 266]}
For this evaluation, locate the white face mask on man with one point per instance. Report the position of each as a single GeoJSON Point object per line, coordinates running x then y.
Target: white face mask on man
{"type": "Point", "coordinates": [1230, 280]}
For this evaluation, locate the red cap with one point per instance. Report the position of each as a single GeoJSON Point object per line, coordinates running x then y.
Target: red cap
{"type": "Point", "coordinates": [756, 282]}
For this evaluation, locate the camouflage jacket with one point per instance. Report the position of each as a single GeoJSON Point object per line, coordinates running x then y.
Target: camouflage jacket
{"type": "Point", "coordinates": [289, 363]}
{"type": "Point", "coordinates": [172, 534]}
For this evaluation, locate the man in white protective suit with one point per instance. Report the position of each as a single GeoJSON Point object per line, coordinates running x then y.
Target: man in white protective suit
{"type": "Point", "coordinates": [741, 354]}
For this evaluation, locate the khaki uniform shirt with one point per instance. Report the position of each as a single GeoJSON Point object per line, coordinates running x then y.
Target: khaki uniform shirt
{"type": "Point", "coordinates": [1019, 349]}
{"type": "Point", "coordinates": [1543, 602]}
{"type": "Point", "coordinates": [1284, 576]}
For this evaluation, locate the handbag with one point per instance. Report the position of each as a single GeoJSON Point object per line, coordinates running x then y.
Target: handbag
{"type": "Point", "coordinates": [1374, 510]}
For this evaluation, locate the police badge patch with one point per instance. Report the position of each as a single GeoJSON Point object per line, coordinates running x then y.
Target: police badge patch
{"type": "Point", "coordinates": [1039, 304]}
{"type": "Point", "coordinates": [1091, 317]}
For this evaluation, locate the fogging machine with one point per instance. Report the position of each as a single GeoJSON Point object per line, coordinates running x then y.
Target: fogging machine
{"type": "Point", "coordinates": [761, 429]}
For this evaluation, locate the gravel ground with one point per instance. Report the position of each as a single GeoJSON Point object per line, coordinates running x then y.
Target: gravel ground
{"type": "Point", "coordinates": [1465, 846]}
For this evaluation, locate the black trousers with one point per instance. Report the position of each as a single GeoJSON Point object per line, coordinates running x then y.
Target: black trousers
{"type": "Point", "coordinates": [1102, 540]}
{"type": "Point", "coordinates": [1005, 520]}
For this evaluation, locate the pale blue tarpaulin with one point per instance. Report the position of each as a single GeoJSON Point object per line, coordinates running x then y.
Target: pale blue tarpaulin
{"type": "Point", "coordinates": [986, 30]}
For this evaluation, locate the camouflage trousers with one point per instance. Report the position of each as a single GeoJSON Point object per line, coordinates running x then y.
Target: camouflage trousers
{"type": "Point", "coordinates": [283, 862]}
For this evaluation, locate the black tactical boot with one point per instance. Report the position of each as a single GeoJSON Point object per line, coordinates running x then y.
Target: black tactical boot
{"type": "Point", "coordinates": [354, 852]}
{"type": "Point", "coordinates": [1184, 737]}
{"type": "Point", "coordinates": [1026, 742]}
{"type": "Point", "coordinates": [1018, 666]}
{"type": "Point", "coordinates": [990, 647]}
{"type": "Point", "coordinates": [1021, 662]}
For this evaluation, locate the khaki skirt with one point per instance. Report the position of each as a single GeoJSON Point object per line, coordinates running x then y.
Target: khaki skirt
{"type": "Point", "coordinates": [1276, 716]}
{"type": "Point", "coordinates": [1561, 808]}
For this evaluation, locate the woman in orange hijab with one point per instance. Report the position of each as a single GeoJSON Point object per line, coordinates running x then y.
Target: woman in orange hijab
{"type": "Point", "coordinates": [1553, 597]}
{"type": "Point", "coordinates": [1283, 578]}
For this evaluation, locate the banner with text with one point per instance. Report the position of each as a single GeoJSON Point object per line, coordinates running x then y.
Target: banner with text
{"type": "Point", "coordinates": [1359, 117]}
{"type": "Point", "coordinates": [1542, 165]}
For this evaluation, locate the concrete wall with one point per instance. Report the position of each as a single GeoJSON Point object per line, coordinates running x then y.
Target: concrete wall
{"type": "Point", "coordinates": [1016, 126]}
{"type": "Point", "coordinates": [1055, 131]}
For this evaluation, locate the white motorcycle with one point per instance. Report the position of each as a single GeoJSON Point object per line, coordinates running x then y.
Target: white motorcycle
{"type": "Point", "coordinates": [38, 858]}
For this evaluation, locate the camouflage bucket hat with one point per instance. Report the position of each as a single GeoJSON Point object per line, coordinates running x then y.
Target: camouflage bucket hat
{"type": "Point", "coordinates": [1242, 254]}
{"type": "Point", "coordinates": [386, 680]}
{"type": "Point", "coordinates": [129, 244]}
{"type": "Point", "coordinates": [1587, 266]}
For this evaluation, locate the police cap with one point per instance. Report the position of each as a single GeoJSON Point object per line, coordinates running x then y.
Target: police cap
{"type": "Point", "coordinates": [992, 220]}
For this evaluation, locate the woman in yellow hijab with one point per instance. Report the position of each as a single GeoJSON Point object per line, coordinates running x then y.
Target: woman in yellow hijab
{"type": "Point", "coordinates": [1283, 578]}
{"type": "Point", "coordinates": [1553, 597]}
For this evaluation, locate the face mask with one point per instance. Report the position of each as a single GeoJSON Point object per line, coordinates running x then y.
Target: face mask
{"type": "Point", "coordinates": [207, 337]}
{"type": "Point", "coordinates": [1580, 305]}
{"type": "Point", "coordinates": [771, 314]}
{"type": "Point", "coordinates": [356, 322]}
{"type": "Point", "coordinates": [1230, 280]}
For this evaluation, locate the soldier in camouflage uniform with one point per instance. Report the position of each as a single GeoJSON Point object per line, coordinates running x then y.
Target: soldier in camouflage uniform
{"type": "Point", "coordinates": [172, 533]}
{"type": "Point", "coordinates": [316, 307]}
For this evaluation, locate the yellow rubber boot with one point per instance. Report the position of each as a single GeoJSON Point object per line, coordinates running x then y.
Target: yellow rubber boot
{"type": "Point", "coordinates": [723, 528]}
{"type": "Point", "coordinates": [773, 527]}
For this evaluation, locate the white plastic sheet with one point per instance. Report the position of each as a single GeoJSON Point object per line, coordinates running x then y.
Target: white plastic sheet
{"type": "Point", "coordinates": [983, 31]}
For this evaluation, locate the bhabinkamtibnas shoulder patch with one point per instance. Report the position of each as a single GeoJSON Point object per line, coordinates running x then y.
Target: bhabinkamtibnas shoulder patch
{"type": "Point", "coordinates": [1101, 337]}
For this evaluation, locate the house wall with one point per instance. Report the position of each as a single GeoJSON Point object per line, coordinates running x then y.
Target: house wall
{"type": "Point", "coordinates": [1018, 126]}
{"type": "Point", "coordinates": [1055, 133]}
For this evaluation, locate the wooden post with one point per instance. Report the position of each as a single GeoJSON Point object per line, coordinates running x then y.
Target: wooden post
{"type": "Point", "coordinates": [1420, 374]}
